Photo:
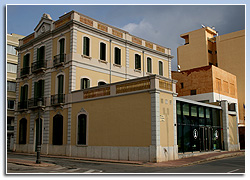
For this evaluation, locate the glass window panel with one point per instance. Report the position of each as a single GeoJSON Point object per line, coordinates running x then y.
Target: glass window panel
{"type": "Point", "coordinates": [201, 112]}
{"type": "Point", "coordinates": [194, 111]}
{"type": "Point", "coordinates": [186, 109]}
{"type": "Point", "coordinates": [11, 68]}
{"type": "Point", "coordinates": [11, 50]}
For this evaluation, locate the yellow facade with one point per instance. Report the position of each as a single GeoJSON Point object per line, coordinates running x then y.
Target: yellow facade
{"type": "Point", "coordinates": [166, 120]}
{"type": "Point", "coordinates": [109, 124]}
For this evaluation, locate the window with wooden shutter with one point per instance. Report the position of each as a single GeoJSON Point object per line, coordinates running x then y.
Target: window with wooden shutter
{"type": "Point", "coordinates": [137, 62]}
{"type": "Point", "coordinates": [160, 68]}
{"type": "Point", "coordinates": [149, 65]}
{"type": "Point", "coordinates": [85, 83]}
{"type": "Point", "coordinates": [86, 46]}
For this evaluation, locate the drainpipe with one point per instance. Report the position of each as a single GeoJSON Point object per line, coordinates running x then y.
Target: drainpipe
{"type": "Point", "coordinates": [110, 41]}
{"type": "Point", "coordinates": [143, 63]}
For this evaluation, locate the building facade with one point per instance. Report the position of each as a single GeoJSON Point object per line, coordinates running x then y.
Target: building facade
{"type": "Point", "coordinates": [98, 91]}
{"type": "Point", "coordinates": [12, 61]}
{"type": "Point", "coordinates": [71, 54]}
{"type": "Point", "coordinates": [205, 47]}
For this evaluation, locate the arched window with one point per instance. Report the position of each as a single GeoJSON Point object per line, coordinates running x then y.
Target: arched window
{"type": "Point", "coordinates": [85, 83]}
{"type": "Point", "coordinates": [100, 83]}
{"type": "Point", "coordinates": [82, 129]}
{"type": "Point", "coordinates": [62, 44]}
{"type": "Point", "coordinates": [86, 44]}
{"type": "Point", "coordinates": [60, 80]}
{"type": "Point", "coordinates": [57, 130]}
{"type": "Point", "coordinates": [160, 68]}
{"type": "Point", "coordinates": [22, 131]}
{"type": "Point", "coordinates": [149, 65]}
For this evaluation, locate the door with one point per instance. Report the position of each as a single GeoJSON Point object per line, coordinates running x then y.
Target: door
{"type": "Point", "coordinates": [206, 138]}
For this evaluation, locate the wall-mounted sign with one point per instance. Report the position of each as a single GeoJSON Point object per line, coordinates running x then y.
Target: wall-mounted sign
{"type": "Point", "coordinates": [195, 133]}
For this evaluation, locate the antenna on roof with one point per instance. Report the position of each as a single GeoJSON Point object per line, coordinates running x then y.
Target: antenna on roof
{"type": "Point", "coordinates": [203, 26]}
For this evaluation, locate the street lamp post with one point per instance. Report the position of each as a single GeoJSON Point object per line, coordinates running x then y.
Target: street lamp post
{"type": "Point", "coordinates": [38, 146]}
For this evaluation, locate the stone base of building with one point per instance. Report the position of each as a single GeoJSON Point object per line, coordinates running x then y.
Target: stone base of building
{"type": "Point", "coordinates": [144, 154]}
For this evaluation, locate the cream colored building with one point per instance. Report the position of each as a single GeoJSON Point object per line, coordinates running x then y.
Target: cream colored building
{"type": "Point", "coordinates": [12, 60]}
{"type": "Point", "coordinates": [205, 47]}
{"type": "Point", "coordinates": [99, 91]}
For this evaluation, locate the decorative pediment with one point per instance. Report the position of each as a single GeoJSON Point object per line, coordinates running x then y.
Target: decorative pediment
{"type": "Point", "coordinates": [83, 111]}
{"type": "Point", "coordinates": [44, 25]}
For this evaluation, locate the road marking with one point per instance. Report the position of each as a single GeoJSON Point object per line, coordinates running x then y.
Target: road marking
{"type": "Point", "coordinates": [89, 171]}
{"type": "Point", "coordinates": [233, 171]}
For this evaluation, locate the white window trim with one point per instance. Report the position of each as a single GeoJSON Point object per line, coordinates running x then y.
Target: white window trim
{"type": "Point", "coordinates": [114, 55]}
{"type": "Point", "coordinates": [141, 61]}
{"type": "Point", "coordinates": [90, 41]}
{"type": "Point", "coordinates": [90, 83]}
{"type": "Point", "coordinates": [87, 128]}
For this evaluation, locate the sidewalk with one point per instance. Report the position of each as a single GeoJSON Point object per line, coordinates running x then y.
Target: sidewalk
{"type": "Point", "coordinates": [198, 158]}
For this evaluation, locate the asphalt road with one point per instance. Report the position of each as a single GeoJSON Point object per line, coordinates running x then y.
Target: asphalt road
{"type": "Point", "coordinates": [227, 165]}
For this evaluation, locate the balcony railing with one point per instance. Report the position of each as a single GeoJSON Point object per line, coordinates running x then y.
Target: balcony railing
{"type": "Point", "coordinates": [25, 71]}
{"type": "Point", "coordinates": [33, 102]}
{"type": "Point", "coordinates": [57, 99]}
{"type": "Point", "coordinates": [59, 59]}
{"type": "Point", "coordinates": [38, 66]}
{"type": "Point", "coordinates": [10, 128]}
{"type": "Point", "coordinates": [23, 105]}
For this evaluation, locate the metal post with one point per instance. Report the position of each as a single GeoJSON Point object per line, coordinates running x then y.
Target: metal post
{"type": "Point", "coordinates": [38, 160]}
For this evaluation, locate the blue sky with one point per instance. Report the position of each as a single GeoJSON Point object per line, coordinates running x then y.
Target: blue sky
{"type": "Point", "coordinates": [161, 24]}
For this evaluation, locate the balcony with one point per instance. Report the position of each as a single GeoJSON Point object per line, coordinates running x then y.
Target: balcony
{"type": "Point", "coordinates": [33, 102]}
{"type": "Point", "coordinates": [57, 99]}
{"type": "Point", "coordinates": [23, 105]}
{"type": "Point", "coordinates": [38, 66]}
{"type": "Point", "coordinates": [59, 60]}
{"type": "Point", "coordinates": [25, 71]}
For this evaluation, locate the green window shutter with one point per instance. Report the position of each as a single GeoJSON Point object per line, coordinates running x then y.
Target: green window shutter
{"type": "Point", "coordinates": [86, 46]}
{"type": "Point", "coordinates": [42, 53]}
{"type": "Point", "coordinates": [88, 83]}
{"type": "Point", "coordinates": [138, 62]}
{"type": "Point", "coordinates": [149, 65]}
{"type": "Point", "coordinates": [160, 68]}
{"type": "Point", "coordinates": [25, 92]}
{"type": "Point", "coordinates": [62, 41]}
{"type": "Point", "coordinates": [82, 83]}
{"type": "Point", "coordinates": [21, 95]}
{"type": "Point", "coordinates": [42, 88]}
{"type": "Point", "coordinates": [60, 84]}
{"type": "Point", "coordinates": [38, 55]}
{"type": "Point", "coordinates": [35, 90]}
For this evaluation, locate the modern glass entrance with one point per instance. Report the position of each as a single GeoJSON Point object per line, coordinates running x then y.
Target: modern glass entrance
{"type": "Point", "coordinates": [198, 127]}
